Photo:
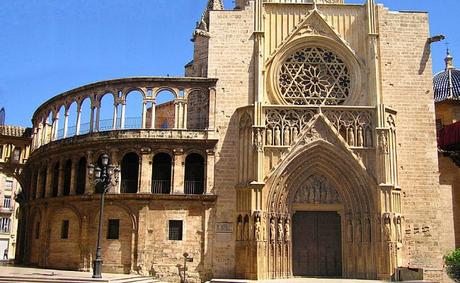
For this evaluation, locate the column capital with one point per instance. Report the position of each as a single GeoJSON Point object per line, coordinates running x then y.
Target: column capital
{"type": "Point", "coordinates": [178, 151]}
{"type": "Point", "coordinates": [210, 151]}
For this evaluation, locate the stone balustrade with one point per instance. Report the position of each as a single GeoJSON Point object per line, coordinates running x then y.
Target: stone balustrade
{"type": "Point", "coordinates": [191, 108]}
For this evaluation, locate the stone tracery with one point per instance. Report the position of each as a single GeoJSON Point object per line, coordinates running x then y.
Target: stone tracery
{"type": "Point", "coordinates": [314, 76]}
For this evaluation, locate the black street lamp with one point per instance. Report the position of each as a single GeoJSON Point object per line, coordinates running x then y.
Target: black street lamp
{"type": "Point", "coordinates": [107, 175]}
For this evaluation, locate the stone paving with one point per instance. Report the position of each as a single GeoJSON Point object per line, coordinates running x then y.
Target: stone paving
{"type": "Point", "coordinates": [27, 274]}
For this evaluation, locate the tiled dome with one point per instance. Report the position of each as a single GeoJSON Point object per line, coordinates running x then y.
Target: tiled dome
{"type": "Point", "coordinates": [447, 83]}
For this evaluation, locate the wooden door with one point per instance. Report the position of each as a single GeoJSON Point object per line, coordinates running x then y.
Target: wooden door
{"type": "Point", "coordinates": [316, 244]}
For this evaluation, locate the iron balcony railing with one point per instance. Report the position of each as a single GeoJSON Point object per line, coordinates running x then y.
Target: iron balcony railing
{"type": "Point", "coordinates": [193, 187]}
{"type": "Point", "coordinates": [161, 186]}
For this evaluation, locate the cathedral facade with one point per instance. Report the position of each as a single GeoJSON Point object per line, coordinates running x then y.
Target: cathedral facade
{"type": "Point", "coordinates": [301, 142]}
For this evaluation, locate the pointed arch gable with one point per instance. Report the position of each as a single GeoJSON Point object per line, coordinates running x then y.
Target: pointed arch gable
{"type": "Point", "coordinates": [314, 32]}
{"type": "Point", "coordinates": [321, 150]}
{"type": "Point", "coordinates": [353, 184]}
{"type": "Point", "coordinates": [313, 24]}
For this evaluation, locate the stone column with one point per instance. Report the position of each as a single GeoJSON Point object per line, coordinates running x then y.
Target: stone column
{"type": "Point", "coordinates": [115, 160]}
{"type": "Point", "coordinates": [210, 161]}
{"type": "Point", "coordinates": [178, 172]}
{"type": "Point", "coordinates": [146, 171]}
{"type": "Point", "coordinates": [38, 184]}
{"type": "Point", "coordinates": [184, 124]}
{"type": "Point", "coordinates": [90, 188]}
{"type": "Point", "coordinates": [73, 177]}
{"type": "Point", "coordinates": [212, 109]}
{"type": "Point", "coordinates": [91, 120]}
{"type": "Point", "coordinates": [123, 111]}
{"type": "Point", "coordinates": [152, 116]}
{"type": "Point", "coordinates": [176, 114]}
{"type": "Point", "coordinates": [78, 121]}
{"type": "Point", "coordinates": [144, 114]}
{"type": "Point", "coordinates": [98, 116]}
{"type": "Point", "coordinates": [66, 123]}
{"type": "Point", "coordinates": [54, 131]}
{"type": "Point", "coordinates": [61, 178]}
{"type": "Point", "coordinates": [49, 180]}
{"type": "Point", "coordinates": [115, 116]}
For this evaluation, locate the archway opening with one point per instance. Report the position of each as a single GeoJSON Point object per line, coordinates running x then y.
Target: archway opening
{"type": "Point", "coordinates": [55, 181]}
{"type": "Point", "coordinates": [129, 173]}
{"type": "Point", "coordinates": [81, 176]}
{"type": "Point", "coordinates": [67, 177]}
{"type": "Point", "coordinates": [194, 174]}
{"type": "Point", "coordinates": [161, 174]}
{"type": "Point", "coordinates": [165, 110]}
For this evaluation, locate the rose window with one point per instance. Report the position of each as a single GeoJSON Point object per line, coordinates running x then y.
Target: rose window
{"type": "Point", "coordinates": [314, 76]}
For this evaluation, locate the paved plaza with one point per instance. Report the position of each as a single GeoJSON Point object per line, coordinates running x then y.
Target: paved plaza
{"type": "Point", "coordinates": [26, 274]}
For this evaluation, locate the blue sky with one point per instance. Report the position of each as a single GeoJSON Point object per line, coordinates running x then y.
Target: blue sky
{"type": "Point", "coordinates": [51, 46]}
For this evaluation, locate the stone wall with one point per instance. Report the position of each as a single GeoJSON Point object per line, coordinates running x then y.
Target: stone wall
{"type": "Point", "coordinates": [230, 60]}
{"type": "Point", "coordinates": [407, 87]}
{"type": "Point", "coordinates": [143, 244]}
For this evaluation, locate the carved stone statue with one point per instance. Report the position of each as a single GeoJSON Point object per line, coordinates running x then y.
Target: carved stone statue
{"type": "Point", "coordinates": [383, 142]}
{"type": "Point", "coordinates": [360, 137]}
{"type": "Point", "coordinates": [351, 137]}
{"type": "Point", "coordinates": [272, 229]}
{"type": "Point", "coordinates": [269, 136]}
{"type": "Point", "coordinates": [239, 230]}
{"type": "Point", "coordinates": [359, 231]}
{"type": "Point", "coordinates": [287, 230]}
{"type": "Point", "coordinates": [280, 230]}
{"type": "Point", "coordinates": [258, 228]}
{"type": "Point", "coordinates": [277, 136]}
{"type": "Point", "coordinates": [286, 136]}
{"type": "Point", "coordinates": [349, 230]}
{"type": "Point", "coordinates": [398, 229]}
{"type": "Point", "coordinates": [387, 227]}
{"type": "Point", "coordinates": [295, 134]}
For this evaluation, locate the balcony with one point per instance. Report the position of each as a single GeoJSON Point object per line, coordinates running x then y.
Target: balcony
{"type": "Point", "coordinates": [161, 186]}
{"type": "Point", "coordinates": [6, 209]}
{"type": "Point", "coordinates": [449, 141]}
{"type": "Point", "coordinates": [104, 106]}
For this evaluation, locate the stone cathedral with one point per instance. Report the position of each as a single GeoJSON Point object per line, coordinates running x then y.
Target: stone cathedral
{"type": "Point", "coordinates": [301, 142]}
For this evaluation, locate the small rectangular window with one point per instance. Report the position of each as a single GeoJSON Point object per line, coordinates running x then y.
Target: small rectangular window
{"type": "Point", "coordinates": [8, 185]}
{"type": "Point", "coordinates": [65, 229]}
{"type": "Point", "coordinates": [175, 230]}
{"type": "Point", "coordinates": [113, 232]}
{"type": "Point", "coordinates": [5, 225]}
{"type": "Point", "coordinates": [7, 202]}
{"type": "Point", "coordinates": [37, 230]}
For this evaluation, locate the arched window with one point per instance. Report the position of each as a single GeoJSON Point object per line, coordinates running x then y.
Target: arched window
{"type": "Point", "coordinates": [161, 174]}
{"type": "Point", "coordinates": [194, 174]}
{"type": "Point", "coordinates": [43, 183]}
{"type": "Point", "coordinates": [67, 176]}
{"type": "Point", "coordinates": [133, 110]}
{"type": "Point", "coordinates": [81, 176]}
{"type": "Point", "coordinates": [129, 173]}
{"type": "Point", "coordinates": [34, 185]}
{"type": "Point", "coordinates": [55, 183]}
{"type": "Point", "coordinates": [164, 110]}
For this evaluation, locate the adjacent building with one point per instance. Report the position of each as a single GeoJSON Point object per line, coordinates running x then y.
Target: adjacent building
{"type": "Point", "coordinates": [8, 216]}
{"type": "Point", "coordinates": [447, 103]}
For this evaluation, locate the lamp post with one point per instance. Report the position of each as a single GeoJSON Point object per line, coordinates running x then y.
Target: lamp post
{"type": "Point", "coordinates": [106, 175]}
